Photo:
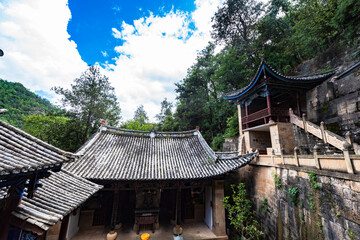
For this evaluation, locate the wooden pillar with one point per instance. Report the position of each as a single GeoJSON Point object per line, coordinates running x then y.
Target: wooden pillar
{"type": "Point", "coordinates": [240, 119]}
{"type": "Point", "coordinates": [16, 193]}
{"type": "Point", "coordinates": [246, 115]}
{"type": "Point", "coordinates": [178, 207]}
{"type": "Point", "coordinates": [115, 206]}
{"type": "Point", "coordinates": [64, 227]}
{"type": "Point", "coordinates": [298, 104]}
{"type": "Point", "coordinates": [268, 101]}
{"type": "Point", "coordinates": [219, 225]}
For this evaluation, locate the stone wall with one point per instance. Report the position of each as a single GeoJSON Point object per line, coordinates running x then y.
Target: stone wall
{"type": "Point", "coordinates": [337, 100]}
{"type": "Point", "coordinates": [231, 144]}
{"type": "Point", "coordinates": [330, 212]}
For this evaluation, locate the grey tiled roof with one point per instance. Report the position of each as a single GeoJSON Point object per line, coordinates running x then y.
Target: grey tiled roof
{"type": "Point", "coordinates": [309, 79]}
{"type": "Point", "coordinates": [60, 194]}
{"type": "Point", "coordinates": [21, 152]}
{"type": "Point", "coordinates": [118, 154]}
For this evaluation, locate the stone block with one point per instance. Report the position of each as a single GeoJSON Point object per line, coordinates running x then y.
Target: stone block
{"type": "Point", "coordinates": [355, 186]}
{"type": "Point", "coordinates": [348, 194]}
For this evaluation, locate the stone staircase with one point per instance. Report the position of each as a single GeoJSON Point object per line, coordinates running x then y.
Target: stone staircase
{"type": "Point", "coordinates": [308, 135]}
{"type": "Point", "coordinates": [306, 142]}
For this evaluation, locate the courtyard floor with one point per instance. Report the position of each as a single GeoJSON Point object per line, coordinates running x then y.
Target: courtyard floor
{"type": "Point", "coordinates": [193, 231]}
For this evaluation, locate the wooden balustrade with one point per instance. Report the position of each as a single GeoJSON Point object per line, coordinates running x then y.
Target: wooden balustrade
{"type": "Point", "coordinates": [275, 112]}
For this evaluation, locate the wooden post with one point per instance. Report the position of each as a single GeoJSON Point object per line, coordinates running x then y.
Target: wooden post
{"type": "Point", "coordinates": [64, 227]}
{"type": "Point", "coordinates": [296, 156]}
{"type": "Point", "coordinates": [178, 206]}
{"type": "Point", "coordinates": [316, 158]}
{"type": "Point", "coordinates": [268, 101]}
{"type": "Point", "coordinates": [115, 206]}
{"type": "Point", "coordinates": [246, 115]}
{"type": "Point", "coordinates": [240, 119]}
{"type": "Point", "coordinates": [346, 151]}
{"type": "Point", "coordinates": [348, 137]}
{"type": "Point", "coordinates": [323, 128]}
{"type": "Point", "coordinates": [304, 121]}
{"type": "Point", "coordinates": [11, 204]}
{"type": "Point", "coordinates": [298, 104]}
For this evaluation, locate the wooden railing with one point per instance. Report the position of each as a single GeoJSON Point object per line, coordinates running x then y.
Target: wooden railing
{"type": "Point", "coordinates": [344, 144]}
{"type": "Point", "coordinates": [275, 112]}
{"type": "Point", "coordinates": [256, 115]}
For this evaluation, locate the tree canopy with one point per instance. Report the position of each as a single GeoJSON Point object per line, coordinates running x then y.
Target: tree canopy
{"type": "Point", "coordinates": [91, 98]}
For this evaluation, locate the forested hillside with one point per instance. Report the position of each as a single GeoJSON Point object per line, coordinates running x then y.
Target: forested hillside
{"type": "Point", "coordinates": [20, 102]}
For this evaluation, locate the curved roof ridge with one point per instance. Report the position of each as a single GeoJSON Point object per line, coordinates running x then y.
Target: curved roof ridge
{"type": "Point", "coordinates": [206, 146]}
{"type": "Point", "coordinates": [292, 79]}
{"type": "Point", "coordinates": [140, 131]}
{"type": "Point", "coordinates": [111, 155]}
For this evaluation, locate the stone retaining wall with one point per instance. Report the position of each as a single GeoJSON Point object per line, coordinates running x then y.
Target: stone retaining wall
{"type": "Point", "coordinates": [330, 212]}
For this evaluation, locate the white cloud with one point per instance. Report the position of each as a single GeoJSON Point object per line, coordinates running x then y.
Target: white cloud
{"type": "Point", "coordinates": [104, 53]}
{"type": "Point", "coordinates": [156, 54]}
{"type": "Point", "coordinates": [38, 52]}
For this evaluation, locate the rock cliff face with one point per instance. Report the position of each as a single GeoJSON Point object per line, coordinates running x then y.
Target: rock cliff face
{"type": "Point", "coordinates": [337, 100]}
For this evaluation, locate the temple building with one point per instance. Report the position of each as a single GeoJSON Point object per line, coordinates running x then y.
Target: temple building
{"type": "Point", "coordinates": [153, 178]}
{"type": "Point", "coordinates": [263, 108]}
{"type": "Point", "coordinates": [35, 194]}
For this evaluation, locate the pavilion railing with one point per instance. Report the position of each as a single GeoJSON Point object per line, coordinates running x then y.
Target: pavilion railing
{"type": "Point", "coordinates": [275, 112]}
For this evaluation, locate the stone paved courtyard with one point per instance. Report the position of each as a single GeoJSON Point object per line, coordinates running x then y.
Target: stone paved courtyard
{"type": "Point", "coordinates": [193, 231]}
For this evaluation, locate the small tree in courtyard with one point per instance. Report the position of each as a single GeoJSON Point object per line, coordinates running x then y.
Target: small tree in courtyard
{"type": "Point", "coordinates": [240, 214]}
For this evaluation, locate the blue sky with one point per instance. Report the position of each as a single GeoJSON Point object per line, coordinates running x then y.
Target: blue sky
{"type": "Point", "coordinates": [91, 23]}
{"type": "Point", "coordinates": [144, 47]}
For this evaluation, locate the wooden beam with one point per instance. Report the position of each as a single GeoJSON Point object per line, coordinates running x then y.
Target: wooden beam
{"type": "Point", "coordinates": [24, 225]}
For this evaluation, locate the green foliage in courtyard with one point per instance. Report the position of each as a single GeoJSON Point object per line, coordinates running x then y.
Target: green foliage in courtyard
{"type": "Point", "coordinates": [240, 213]}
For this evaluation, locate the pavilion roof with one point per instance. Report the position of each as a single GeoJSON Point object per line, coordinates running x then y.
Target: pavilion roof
{"type": "Point", "coordinates": [119, 154]}
{"type": "Point", "coordinates": [59, 195]}
{"type": "Point", "coordinates": [21, 153]}
{"type": "Point", "coordinates": [264, 67]}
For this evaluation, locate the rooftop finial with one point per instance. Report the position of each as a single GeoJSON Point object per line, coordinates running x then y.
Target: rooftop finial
{"type": "Point", "coordinates": [197, 128]}
{"type": "Point", "coordinates": [3, 111]}
{"type": "Point", "coordinates": [103, 123]}
{"type": "Point", "coordinates": [152, 133]}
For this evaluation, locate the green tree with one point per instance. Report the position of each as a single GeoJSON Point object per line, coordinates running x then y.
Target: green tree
{"type": "Point", "coordinates": [136, 125]}
{"type": "Point", "coordinates": [347, 19]}
{"type": "Point", "coordinates": [57, 130]}
{"type": "Point", "coordinates": [140, 115]}
{"type": "Point", "coordinates": [235, 23]}
{"type": "Point", "coordinates": [240, 213]}
{"type": "Point", "coordinates": [199, 98]}
{"type": "Point", "coordinates": [91, 98]}
{"type": "Point", "coordinates": [165, 111]}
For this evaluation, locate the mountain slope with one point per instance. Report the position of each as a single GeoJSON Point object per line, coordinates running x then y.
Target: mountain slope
{"type": "Point", "coordinates": [20, 102]}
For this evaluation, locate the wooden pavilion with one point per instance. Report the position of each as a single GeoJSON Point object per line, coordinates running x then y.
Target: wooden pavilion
{"type": "Point", "coordinates": [152, 178]}
{"type": "Point", "coordinates": [263, 107]}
